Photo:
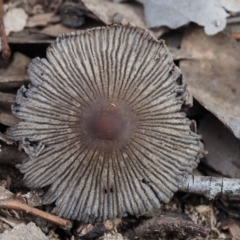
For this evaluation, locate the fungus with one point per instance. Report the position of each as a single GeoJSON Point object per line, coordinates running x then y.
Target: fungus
{"type": "Point", "coordinates": [103, 125]}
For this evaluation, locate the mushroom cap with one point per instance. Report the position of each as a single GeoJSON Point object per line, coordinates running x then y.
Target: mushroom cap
{"type": "Point", "coordinates": [103, 125]}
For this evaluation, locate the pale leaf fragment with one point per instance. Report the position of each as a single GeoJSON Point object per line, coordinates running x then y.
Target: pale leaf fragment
{"type": "Point", "coordinates": [26, 232]}
{"type": "Point", "coordinates": [42, 19]}
{"type": "Point", "coordinates": [174, 13]}
{"type": "Point", "coordinates": [104, 10]}
{"type": "Point", "coordinates": [15, 20]}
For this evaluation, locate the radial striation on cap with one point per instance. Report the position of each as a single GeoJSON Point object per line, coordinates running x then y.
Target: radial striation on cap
{"type": "Point", "coordinates": [103, 125]}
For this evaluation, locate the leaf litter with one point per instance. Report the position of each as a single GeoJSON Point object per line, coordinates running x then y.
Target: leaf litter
{"type": "Point", "coordinates": [211, 68]}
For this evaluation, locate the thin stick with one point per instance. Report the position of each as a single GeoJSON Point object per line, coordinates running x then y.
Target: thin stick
{"type": "Point", "coordinates": [236, 35]}
{"type": "Point", "coordinates": [13, 204]}
{"type": "Point", "coordinates": [6, 51]}
{"type": "Point", "coordinates": [211, 187]}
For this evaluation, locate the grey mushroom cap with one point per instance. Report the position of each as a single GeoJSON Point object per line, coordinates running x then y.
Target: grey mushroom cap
{"type": "Point", "coordinates": [103, 125]}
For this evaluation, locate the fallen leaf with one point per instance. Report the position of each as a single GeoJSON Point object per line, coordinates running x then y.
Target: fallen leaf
{"type": "Point", "coordinates": [231, 5]}
{"type": "Point", "coordinates": [174, 13]}
{"type": "Point", "coordinates": [15, 20]}
{"type": "Point", "coordinates": [105, 10]}
{"type": "Point", "coordinates": [233, 225]}
{"type": "Point", "coordinates": [4, 139]}
{"type": "Point", "coordinates": [27, 36]}
{"type": "Point", "coordinates": [5, 194]}
{"type": "Point", "coordinates": [15, 74]}
{"type": "Point", "coordinates": [56, 29]}
{"type": "Point", "coordinates": [7, 97]}
{"type": "Point", "coordinates": [213, 74]}
{"type": "Point", "coordinates": [8, 119]}
{"type": "Point", "coordinates": [17, 67]}
{"type": "Point", "coordinates": [223, 148]}
{"type": "Point", "coordinates": [41, 20]}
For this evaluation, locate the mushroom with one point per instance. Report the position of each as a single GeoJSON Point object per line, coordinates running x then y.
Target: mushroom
{"type": "Point", "coordinates": [102, 122]}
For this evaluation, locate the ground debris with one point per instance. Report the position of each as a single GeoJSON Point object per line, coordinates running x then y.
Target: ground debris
{"type": "Point", "coordinates": [11, 155]}
{"type": "Point", "coordinates": [89, 231]}
{"type": "Point", "coordinates": [233, 225]}
{"type": "Point", "coordinates": [213, 80]}
{"type": "Point", "coordinates": [24, 232]}
{"type": "Point", "coordinates": [174, 14]}
{"type": "Point", "coordinates": [15, 74]}
{"type": "Point", "coordinates": [11, 25]}
{"type": "Point", "coordinates": [41, 20]}
{"type": "Point", "coordinates": [226, 160]}
{"type": "Point", "coordinates": [105, 10]}
{"type": "Point", "coordinates": [173, 224]}
{"type": "Point", "coordinates": [211, 68]}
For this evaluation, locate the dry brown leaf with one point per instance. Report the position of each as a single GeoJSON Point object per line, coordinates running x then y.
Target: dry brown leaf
{"type": "Point", "coordinates": [223, 148]}
{"type": "Point", "coordinates": [7, 97]}
{"type": "Point", "coordinates": [105, 10]}
{"type": "Point", "coordinates": [233, 226]}
{"type": "Point", "coordinates": [213, 75]}
{"type": "Point", "coordinates": [56, 30]}
{"type": "Point", "coordinates": [27, 36]}
{"type": "Point", "coordinates": [8, 119]}
{"type": "Point", "coordinates": [41, 20]}
{"type": "Point", "coordinates": [17, 67]}
{"type": "Point", "coordinates": [15, 74]}
{"type": "Point", "coordinates": [234, 230]}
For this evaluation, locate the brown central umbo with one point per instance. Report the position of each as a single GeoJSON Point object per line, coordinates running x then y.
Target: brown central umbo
{"type": "Point", "coordinates": [106, 125]}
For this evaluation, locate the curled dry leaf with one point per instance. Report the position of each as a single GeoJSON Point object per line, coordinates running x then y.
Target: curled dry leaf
{"type": "Point", "coordinates": [174, 13]}
{"type": "Point", "coordinates": [213, 75]}
{"type": "Point", "coordinates": [103, 124]}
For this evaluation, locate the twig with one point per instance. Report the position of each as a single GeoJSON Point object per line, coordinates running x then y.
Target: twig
{"type": "Point", "coordinates": [13, 204]}
{"type": "Point", "coordinates": [233, 20]}
{"type": "Point", "coordinates": [211, 187]}
{"type": "Point", "coordinates": [235, 36]}
{"type": "Point", "coordinates": [6, 51]}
